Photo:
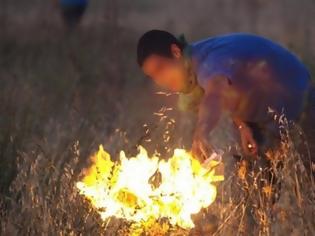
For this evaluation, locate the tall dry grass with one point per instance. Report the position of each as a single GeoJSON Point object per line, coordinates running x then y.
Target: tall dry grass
{"type": "Point", "coordinates": [61, 97]}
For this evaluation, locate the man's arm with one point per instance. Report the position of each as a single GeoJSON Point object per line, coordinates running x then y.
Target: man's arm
{"type": "Point", "coordinates": [209, 114]}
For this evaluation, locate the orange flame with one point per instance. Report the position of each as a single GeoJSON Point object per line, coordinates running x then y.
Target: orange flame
{"type": "Point", "coordinates": [127, 190]}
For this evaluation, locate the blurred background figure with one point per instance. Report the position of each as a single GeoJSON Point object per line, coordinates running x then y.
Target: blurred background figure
{"type": "Point", "coordinates": [72, 11]}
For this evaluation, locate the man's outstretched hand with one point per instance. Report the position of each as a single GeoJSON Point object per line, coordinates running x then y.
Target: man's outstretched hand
{"type": "Point", "coordinates": [248, 142]}
{"type": "Point", "coordinates": [201, 149]}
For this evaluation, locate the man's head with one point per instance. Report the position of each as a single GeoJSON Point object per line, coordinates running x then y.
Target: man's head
{"type": "Point", "coordinates": [160, 57]}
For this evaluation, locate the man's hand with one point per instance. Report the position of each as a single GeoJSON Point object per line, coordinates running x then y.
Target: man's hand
{"type": "Point", "coordinates": [209, 113]}
{"type": "Point", "coordinates": [200, 148]}
{"type": "Point", "coordinates": [248, 142]}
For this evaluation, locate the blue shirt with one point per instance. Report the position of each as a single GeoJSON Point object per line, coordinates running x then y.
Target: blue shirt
{"type": "Point", "coordinates": [264, 73]}
{"type": "Point", "coordinates": [71, 3]}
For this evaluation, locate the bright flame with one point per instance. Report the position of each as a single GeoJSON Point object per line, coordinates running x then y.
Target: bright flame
{"type": "Point", "coordinates": [129, 189]}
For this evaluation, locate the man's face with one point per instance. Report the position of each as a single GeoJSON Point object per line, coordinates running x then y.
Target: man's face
{"type": "Point", "coordinates": [168, 73]}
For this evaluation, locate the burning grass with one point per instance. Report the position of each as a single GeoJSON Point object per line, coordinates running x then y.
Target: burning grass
{"type": "Point", "coordinates": [141, 189]}
{"type": "Point", "coordinates": [45, 200]}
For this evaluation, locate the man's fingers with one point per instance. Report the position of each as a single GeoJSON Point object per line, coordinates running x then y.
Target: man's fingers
{"type": "Point", "coordinates": [251, 148]}
{"type": "Point", "coordinates": [199, 156]}
{"type": "Point", "coordinates": [200, 151]}
{"type": "Point", "coordinates": [245, 147]}
{"type": "Point", "coordinates": [204, 151]}
{"type": "Point", "coordinates": [196, 151]}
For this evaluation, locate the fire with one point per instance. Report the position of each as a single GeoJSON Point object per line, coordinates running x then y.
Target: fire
{"type": "Point", "coordinates": [140, 188]}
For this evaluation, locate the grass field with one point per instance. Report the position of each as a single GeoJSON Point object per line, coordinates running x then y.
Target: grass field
{"type": "Point", "coordinates": [61, 96]}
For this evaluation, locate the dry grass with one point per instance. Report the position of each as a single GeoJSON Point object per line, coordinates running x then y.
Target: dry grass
{"type": "Point", "coordinates": [43, 200]}
{"type": "Point", "coordinates": [59, 102]}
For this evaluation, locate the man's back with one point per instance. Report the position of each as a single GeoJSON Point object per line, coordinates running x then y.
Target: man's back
{"type": "Point", "coordinates": [263, 73]}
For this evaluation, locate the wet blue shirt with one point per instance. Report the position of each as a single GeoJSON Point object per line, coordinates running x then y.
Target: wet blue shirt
{"type": "Point", "coordinates": [263, 73]}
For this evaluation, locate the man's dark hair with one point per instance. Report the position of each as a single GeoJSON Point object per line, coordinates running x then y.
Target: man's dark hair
{"type": "Point", "coordinates": [156, 42]}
